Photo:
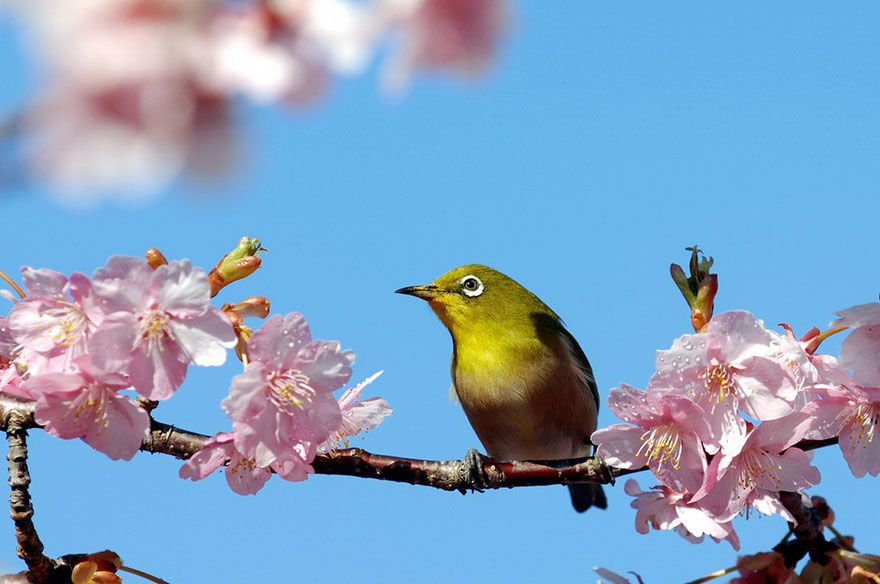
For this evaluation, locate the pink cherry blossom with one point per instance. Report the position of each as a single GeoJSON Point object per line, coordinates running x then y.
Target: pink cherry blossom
{"type": "Point", "coordinates": [662, 508]}
{"type": "Point", "coordinates": [242, 474]}
{"type": "Point", "coordinates": [735, 365]}
{"type": "Point", "coordinates": [754, 471]}
{"type": "Point", "coordinates": [128, 100]}
{"type": "Point", "coordinates": [53, 323]}
{"type": "Point", "coordinates": [357, 415]}
{"type": "Point", "coordinates": [282, 406]}
{"type": "Point", "coordinates": [851, 412]}
{"type": "Point", "coordinates": [458, 35]}
{"type": "Point", "coordinates": [668, 435]}
{"type": "Point", "coordinates": [87, 404]}
{"type": "Point", "coordinates": [160, 322]}
{"type": "Point", "coordinates": [285, 52]}
{"type": "Point", "coordinates": [861, 349]}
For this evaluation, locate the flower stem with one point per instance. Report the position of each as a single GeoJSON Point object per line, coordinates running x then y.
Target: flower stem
{"type": "Point", "coordinates": [143, 575]}
{"type": "Point", "coordinates": [844, 543]}
{"type": "Point", "coordinates": [12, 283]}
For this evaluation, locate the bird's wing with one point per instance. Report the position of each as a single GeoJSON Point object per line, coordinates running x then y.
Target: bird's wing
{"type": "Point", "coordinates": [583, 363]}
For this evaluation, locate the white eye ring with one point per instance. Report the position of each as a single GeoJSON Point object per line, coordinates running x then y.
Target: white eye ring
{"type": "Point", "coordinates": [471, 286]}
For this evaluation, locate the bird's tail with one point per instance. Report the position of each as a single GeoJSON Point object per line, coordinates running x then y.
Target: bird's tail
{"type": "Point", "coordinates": [586, 495]}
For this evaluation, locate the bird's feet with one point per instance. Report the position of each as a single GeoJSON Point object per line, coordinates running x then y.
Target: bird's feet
{"type": "Point", "coordinates": [473, 474]}
{"type": "Point", "coordinates": [606, 470]}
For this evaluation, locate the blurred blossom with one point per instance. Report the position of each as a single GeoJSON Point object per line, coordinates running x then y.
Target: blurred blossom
{"type": "Point", "coordinates": [137, 91]}
{"type": "Point", "coordinates": [764, 568]}
{"type": "Point", "coordinates": [461, 36]}
{"type": "Point", "coordinates": [128, 101]}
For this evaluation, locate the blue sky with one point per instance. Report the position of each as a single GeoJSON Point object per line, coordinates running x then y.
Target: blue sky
{"type": "Point", "coordinates": [608, 137]}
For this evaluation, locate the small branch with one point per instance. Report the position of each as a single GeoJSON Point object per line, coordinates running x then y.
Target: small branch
{"type": "Point", "coordinates": [447, 475]}
{"type": "Point", "coordinates": [30, 548]}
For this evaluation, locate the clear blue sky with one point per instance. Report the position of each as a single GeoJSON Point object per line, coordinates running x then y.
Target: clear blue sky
{"type": "Point", "coordinates": [609, 137]}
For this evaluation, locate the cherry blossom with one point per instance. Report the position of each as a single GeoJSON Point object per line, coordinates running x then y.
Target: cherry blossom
{"type": "Point", "coordinates": [851, 412]}
{"type": "Point", "coordinates": [357, 415]}
{"type": "Point", "coordinates": [128, 101]}
{"type": "Point", "coordinates": [160, 321]}
{"type": "Point", "coordinates": [242, 474]}
{"type": "Point", "coordinates": [861, 349]}
{"type": "Point", "coordinates": [667, 435]}
{"type": "Point", "coordinates": [282, 406]}
{"type": "Point", "coordinates": [753, 471]}
{"type": "Point", "coordinates": [662, 508]}
{"type": "Point", "coordinates": [87, 404]}
{"type": "Point", "coordinates": [734, 365]}
{"type": "Point", "coordinates": [457, 35]}
{"type": "Point", "coordinates": [763, 568]}
{"type": "Point", "coordinates": [53, 323]}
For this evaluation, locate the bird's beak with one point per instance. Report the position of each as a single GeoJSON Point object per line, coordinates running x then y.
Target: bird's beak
{"type": "Point", "coordinates": [423, 292]}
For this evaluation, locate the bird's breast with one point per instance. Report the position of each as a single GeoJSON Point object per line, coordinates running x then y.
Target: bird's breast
{"type": "Point", "coordinates": [524, 401]}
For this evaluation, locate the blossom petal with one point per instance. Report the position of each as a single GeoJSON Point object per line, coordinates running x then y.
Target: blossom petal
{"type": "Point", "coordinates": [767, 388]}
{"type": "Point", "coordinates": [112, 344]}
{"type": "Point", "coordinates": [324, 363]}
{"type": "Point", "coordinates": [246, 397]}
{"type": "Point", "coordinates": [205, 338]}
{"type": "Point", "coordinates": [121, 285]}
{"type": "Point", "coordinates": [861, 353]}
{"type": "Point", "coordinates": [243, 477]}
{"type": "Point", "coordinates": [215, 452]}
{"type": "Point", "coordinates": [619, 445]}
{"type": "Point", "coordinates": [631, 405]}
{"type": "Point", "coordinates": [157, 370]}
{"type": "Point", "coordinates": [180, 289]}
{"type": "Point", "coordinates": [279, 337]}
{"type": "Point", "coordinates": [123, 430]}
{"type": "Point", "coordinates": [861, 449]}
{"type": "Point", "coordinates": [43, 282]}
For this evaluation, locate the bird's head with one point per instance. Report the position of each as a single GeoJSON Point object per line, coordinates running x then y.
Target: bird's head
{"type": "Point", "coordinates": [477, 297]}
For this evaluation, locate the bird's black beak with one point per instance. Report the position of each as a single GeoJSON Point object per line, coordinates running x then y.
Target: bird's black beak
{"type": "Point", "coordinates": [423, 292]}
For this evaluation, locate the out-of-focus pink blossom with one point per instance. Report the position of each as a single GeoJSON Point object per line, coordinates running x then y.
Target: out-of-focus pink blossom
{"type": "Point", "coordinates": [53, 323]}
{"type": "Point", "coordinates": [286, 51]}
{"type": "Point", "coordinates": [282, 405]}
{"type": "Point", "coordinates": [457, 35]}
{"type": "Point", "coordinates": [242, 474]}
{"type": "Point", "coordinates": [357, 415]}
{"type": "Point", "coordinates": [129, 102]}
{"type": "Point", "coordinates": [853, 413]}
{"type": "Point", "coordinates": [662, 508]}
{"type": "Point", "coordinates": [161, 321]}
{"type": "Point", "coordinates": [667, 435]}
{"type": "Point", "coordinates": [861, 349]}
{"type": "Point", "coordinates": [87, 404]}
{"type": "Point", "coordinates": [735, 365]}
{"type": "Point", "coordinates": [614, 578]}
{"type": "Point", "coordinates": [754, 471]}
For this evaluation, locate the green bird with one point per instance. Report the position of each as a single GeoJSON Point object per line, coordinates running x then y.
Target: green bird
{"type": "Point", "coordinates": [521, 377]}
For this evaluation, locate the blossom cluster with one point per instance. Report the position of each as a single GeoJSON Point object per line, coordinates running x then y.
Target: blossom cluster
{"type": "Point", "coordinates": [719, 422]}
{"type": "Point", "coordinates": [76, 345]}
{"type": "Point", "coordinates": [138, 90]}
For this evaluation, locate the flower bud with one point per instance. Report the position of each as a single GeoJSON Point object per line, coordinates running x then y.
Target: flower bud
{"type": "Point", "coordinates": [155, 258]}
{"type": "Point", "coordinates": [240, 263]}
{"type": "Point", "coordinates": [255, 306]}
{"type": "Point", "coordinates": [244, 334]}
{"type": "Point", "coordinates": [699, 289]}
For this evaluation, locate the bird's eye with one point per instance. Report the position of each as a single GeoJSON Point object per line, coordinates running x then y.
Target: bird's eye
{"type": "Point", "coordinates": [471, 286]}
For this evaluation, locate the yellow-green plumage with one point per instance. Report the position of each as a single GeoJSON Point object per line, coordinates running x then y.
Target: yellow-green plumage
{"type": "Point", "coordinates": [523, 381]}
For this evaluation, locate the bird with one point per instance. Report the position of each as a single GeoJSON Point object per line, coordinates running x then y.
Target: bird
{"type": "Point", "coordinates": [522, 379]}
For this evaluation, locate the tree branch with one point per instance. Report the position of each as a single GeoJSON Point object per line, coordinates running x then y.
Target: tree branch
{"type": "Point", "coordinates": [30, 548]}
{"type": "Point", "coordinates": [448, 475]}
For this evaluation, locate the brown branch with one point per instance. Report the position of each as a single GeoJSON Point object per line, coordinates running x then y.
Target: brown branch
{"type": "Point", "coordinates": [448, 475]}
{"type": "Point", "coordinates": [30, 548]}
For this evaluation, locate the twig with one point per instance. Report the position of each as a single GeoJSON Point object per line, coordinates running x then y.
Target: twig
{"type": "Point", "coordinates": [30, 548]}
{"type": "Point", "coordinates": [448, 475]}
